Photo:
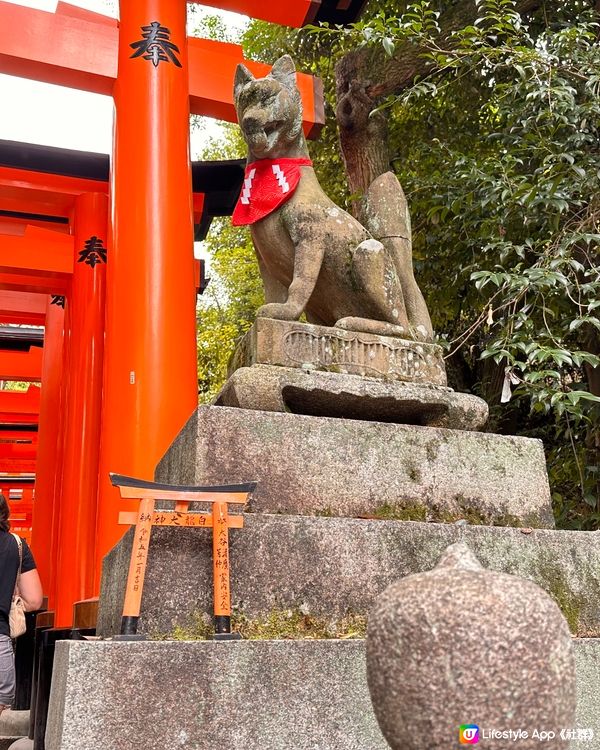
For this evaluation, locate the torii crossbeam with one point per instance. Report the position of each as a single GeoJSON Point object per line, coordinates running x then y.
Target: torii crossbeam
{"type": "Point", "coordinates": [75, 48]}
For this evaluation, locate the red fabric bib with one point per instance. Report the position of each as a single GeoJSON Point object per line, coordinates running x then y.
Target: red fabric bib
{"type": "Point", "coordinates": [268, 183]}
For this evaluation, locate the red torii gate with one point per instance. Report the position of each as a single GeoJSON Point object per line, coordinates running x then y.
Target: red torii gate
{"type": "Point", "coordinates": [19, 413]}
{"type": "Point", "coordinates": [22, 308]}
{"type": "Point", "coordinates": [156, 76]}
{"type": "Point", "coordinates": [37, 258]}
{"type": "Point", "coordinates": [80, 49]}
{"type": "Point", "coordinates": [19, 427]}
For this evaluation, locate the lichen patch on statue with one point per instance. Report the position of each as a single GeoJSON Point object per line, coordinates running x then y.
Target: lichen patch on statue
{"type": "Point", "coordinates": [267, 184]}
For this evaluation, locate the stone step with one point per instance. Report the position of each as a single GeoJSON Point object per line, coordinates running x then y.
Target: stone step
{"type": "Point", "coordinates": [352, 468]}
{"type": "Point", "coordinates": [247, 695]}
{"type": "Point", "coordinates": [334, 566]}
{"type": "Point", "coordinates": [13, 726]}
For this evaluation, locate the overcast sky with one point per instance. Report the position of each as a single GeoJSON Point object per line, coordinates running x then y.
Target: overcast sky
{"type": "Point", "coordinates": [54, 116]}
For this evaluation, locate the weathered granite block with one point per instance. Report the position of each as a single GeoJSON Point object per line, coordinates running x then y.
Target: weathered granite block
{"type": "Point", "coordinates": [328, 394]}
{"type": "Point", "coordinates": [293, 344]}
{"type": "Point", "coordinates": [318, 465]}
{"type": "Point", "coordinates": [332, 566]}
{"type": "Point", "coordinates": [14, 723]}
{"type": "Point", "coordinates": [251, 695]}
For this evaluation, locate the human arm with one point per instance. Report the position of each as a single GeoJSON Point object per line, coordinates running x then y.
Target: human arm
{"type": "Point", "coordinates": [29, 584]}
{"type": "Point", "coordinates": [30, 590]}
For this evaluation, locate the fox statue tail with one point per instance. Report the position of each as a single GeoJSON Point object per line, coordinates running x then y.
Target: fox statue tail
{"type": "Point", "coordinates": [386, 216]}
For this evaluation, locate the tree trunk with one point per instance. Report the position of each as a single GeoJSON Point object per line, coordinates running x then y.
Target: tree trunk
{"type": "Point", "coordinates": [363, 134]}
{"type": "Point", "coordinates": [364, 77]}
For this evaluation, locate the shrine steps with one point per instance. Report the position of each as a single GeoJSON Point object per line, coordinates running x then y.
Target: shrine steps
{"type": "Point", "coordinates": [333, 566]}
{"type": "Point", "coordinates": [245, 695]}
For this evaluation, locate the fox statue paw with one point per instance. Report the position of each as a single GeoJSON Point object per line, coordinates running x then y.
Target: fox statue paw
{"type": "Point", "coordinates": [279, 311]}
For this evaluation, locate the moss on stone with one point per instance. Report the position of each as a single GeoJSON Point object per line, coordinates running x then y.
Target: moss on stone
{"type": "Point", "coordinates": [325, 512]}
{"type": "Point", "coordinates": [433, 448]}
{"type": "Point", "coordinates": [475, 517]}
{"type": "Point", "coordinates": [415, 511]}
{"type": "Point", "coordinates": [398, 512]}
{"type": "Point", "coordinates": [559, 589]}
{"type": "Point", "coordinates": [288, 624]}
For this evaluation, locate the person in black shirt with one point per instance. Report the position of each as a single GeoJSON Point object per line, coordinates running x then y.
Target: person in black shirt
{"type": "Point", "coordinates": [30, 590]}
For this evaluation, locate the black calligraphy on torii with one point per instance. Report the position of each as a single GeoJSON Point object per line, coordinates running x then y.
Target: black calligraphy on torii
{"type": "Point", "coordinates": [93, 252]}
{"type": "Point", "coordinates": [156, 45]}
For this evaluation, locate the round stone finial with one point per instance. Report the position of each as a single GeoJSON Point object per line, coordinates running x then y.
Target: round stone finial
{"type": "Point", "coordinates": [463, 646]}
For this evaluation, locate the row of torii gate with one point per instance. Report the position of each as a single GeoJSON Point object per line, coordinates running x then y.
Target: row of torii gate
{"type": "Point", "coordinates": [101, 256]}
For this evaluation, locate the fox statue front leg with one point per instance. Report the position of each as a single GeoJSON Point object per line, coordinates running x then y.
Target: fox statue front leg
{"type": "Point", "coordinates": [307, 266]}
{"type": "Point", "coordinates": [275, 291]}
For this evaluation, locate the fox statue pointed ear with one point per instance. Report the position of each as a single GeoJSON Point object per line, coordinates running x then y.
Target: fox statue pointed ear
{"type": "Point", "coordinates": [284, 71]}
{"type": "Point", "coordinates": [242, 77]}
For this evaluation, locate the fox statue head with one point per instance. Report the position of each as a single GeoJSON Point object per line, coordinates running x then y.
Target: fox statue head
{"type": "Point", "coordinates": [270, 111]}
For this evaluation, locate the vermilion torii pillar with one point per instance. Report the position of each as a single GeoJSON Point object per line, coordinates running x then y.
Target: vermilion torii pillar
{"type": "Point", "coordinates": [76, 539]}
{"type": "Point", "coordinates": [151, 371]}
{"type": "Point", "coordinates": [49, 452]}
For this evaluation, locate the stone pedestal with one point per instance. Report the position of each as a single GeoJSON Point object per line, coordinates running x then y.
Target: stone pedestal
{"type": "Point", "coordinates": [301, 345]}
{"type": "Point", "coordinates": [340, 467]}
{"type": "Point", "coordinates": [331, 566]}
{"type": "Point", "coordinates": [326, 394]}
{"type": "Point", "coordinates": [344, 507]}
{"type": "Point", "coordinates": [285, 366]}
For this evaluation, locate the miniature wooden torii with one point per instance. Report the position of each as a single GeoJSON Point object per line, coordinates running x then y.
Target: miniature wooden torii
{"type": "Point", "coordinates": [147, 516]}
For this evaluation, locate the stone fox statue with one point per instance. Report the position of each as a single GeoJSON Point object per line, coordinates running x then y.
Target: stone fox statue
{"type": "Point", "coordinates": [313, 256]}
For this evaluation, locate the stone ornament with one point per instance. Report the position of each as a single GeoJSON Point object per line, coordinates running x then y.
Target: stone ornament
{"type": "Point", "coordinates": [464, 646]}
{"type": "Point", "coordinates": [315, 258]}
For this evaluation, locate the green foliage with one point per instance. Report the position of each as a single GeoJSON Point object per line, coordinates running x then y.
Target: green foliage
{"type": "Point", "coordinates": [228, 306]}
{"type": "Point", "coordinates": [14, 385]}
